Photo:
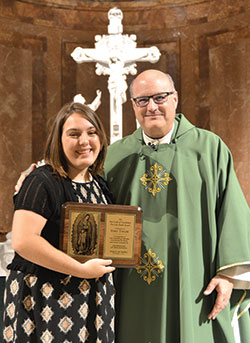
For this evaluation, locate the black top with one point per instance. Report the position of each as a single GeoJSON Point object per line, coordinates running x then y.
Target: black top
{"type": "Point", "coordinates": [44, 193]}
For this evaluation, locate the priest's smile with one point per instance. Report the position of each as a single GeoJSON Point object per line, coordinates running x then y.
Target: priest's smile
{"type": "Point", "coordinates": [154, 108]}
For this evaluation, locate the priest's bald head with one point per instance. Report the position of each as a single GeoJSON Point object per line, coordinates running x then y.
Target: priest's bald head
{"type": "Point", "coordinates": [154, 100]}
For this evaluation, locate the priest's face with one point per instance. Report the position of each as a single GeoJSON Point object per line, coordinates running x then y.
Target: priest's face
{"type": "Point", "coordinates": [155, 114]}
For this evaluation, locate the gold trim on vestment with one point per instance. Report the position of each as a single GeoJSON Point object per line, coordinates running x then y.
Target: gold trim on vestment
{"type": "Point", "coordinates": [153, 181]}
{"type": "Point", "coordinates": [233, 265]}
{"type": "Point", "coordinates": [238, 305]}
{"type": "Point", "coordinates": [150, 267]}
{"type": "Point", "coordinates": [236, 316]}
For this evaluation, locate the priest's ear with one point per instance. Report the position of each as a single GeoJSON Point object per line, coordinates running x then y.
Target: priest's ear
{"type": "Point", "coordinates": [175, 99]}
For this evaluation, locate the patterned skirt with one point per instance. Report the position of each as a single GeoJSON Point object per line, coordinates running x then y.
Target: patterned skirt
{"type": "Point", "coordinates": [69, 310]}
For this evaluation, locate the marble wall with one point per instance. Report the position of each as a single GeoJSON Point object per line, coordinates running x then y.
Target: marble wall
{"type": "Point", "coordinates": [205, 46]}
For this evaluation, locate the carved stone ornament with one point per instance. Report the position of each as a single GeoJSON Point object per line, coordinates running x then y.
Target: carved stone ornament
{"type": "Point", "coordinates": [6, 254]}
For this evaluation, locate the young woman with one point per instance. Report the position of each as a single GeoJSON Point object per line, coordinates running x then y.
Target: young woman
{"type": "Point", "coordinates": [51, 297]}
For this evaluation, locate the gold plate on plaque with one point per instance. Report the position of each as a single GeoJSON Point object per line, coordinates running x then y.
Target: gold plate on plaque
{"type": "Point", "coordinates": [102, 231]}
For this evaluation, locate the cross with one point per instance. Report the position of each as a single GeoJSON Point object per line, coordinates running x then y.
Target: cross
{"type": "Point", "coordinates": [150, 267]}
{"type": "Point", "coordinates": [115, 55]}
{"type": "Point", "coordinates": [153, 181]}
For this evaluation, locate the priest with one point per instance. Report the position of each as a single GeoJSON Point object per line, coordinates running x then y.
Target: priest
{"type": "Point", "coordinates": [193, 282]}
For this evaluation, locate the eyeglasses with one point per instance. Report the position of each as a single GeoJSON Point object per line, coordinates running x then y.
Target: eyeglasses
{"type": "Point", "coordinates": [159, 98]}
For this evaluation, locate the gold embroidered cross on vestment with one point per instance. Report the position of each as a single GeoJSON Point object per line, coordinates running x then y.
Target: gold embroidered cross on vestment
{"type": "Point", "coordinates": [150, 268]}
{"type": "Point", "coordinates": [155, 179]}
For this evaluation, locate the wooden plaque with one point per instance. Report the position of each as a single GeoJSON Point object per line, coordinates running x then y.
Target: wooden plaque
{"type": "Point", "coordinates": [102, 231]}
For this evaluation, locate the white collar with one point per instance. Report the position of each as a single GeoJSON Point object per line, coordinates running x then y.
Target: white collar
{"type": "Point", "coordinates": [156, 141]}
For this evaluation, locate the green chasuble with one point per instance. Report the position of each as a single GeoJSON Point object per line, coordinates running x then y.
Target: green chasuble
{"type": "Point", "coordinates": [196, 223]}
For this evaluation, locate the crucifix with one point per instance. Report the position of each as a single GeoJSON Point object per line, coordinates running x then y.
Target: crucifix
{"type": "Point", "coordinates": [115, 55]}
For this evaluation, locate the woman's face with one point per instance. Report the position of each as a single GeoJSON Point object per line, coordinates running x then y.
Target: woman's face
{"type": "Point", "coordinates": [81, 145]}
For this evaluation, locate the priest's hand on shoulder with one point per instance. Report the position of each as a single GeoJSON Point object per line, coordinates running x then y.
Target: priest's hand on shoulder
{"type": "Point", "coordinates": [23, 175]}
{"type": "Point", "coordinates": [224, 286]}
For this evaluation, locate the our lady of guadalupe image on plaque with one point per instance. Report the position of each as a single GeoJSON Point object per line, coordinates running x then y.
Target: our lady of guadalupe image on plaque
{"type": "Point", "coordinates": [84, 234]}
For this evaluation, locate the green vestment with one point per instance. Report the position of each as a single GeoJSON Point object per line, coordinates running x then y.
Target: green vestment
{"type": "Point", "coordinates": [196, 222]}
